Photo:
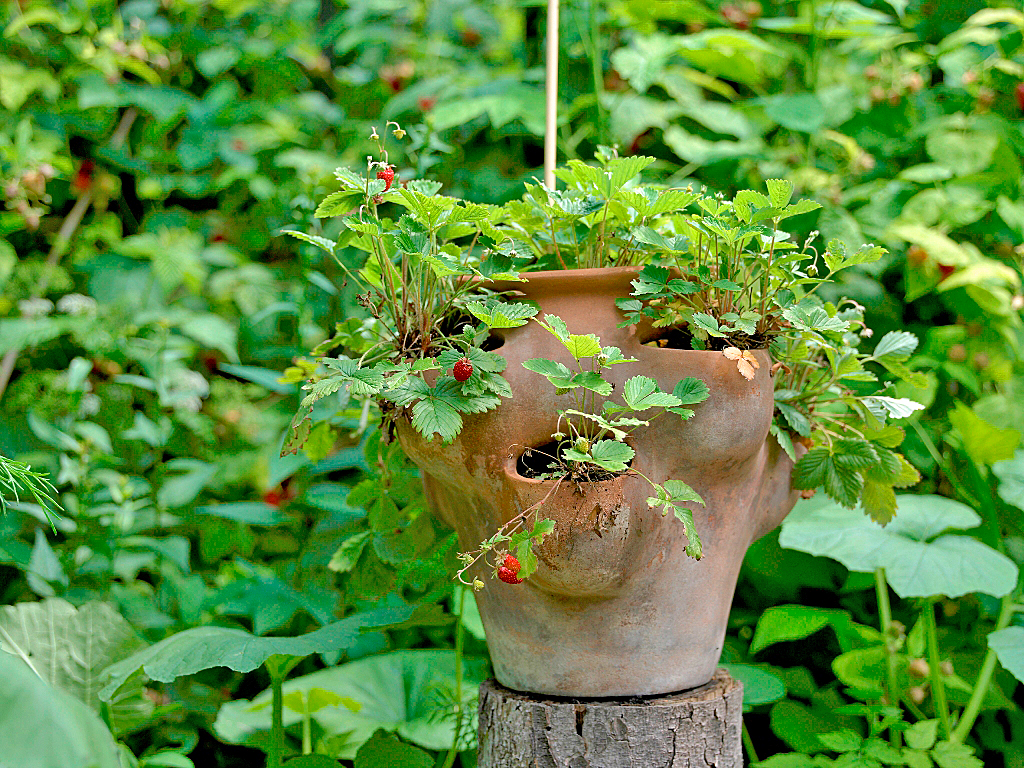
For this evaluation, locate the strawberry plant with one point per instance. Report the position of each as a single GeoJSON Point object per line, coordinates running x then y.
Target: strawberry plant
{"type": "Point", "coordinates": [416, 276]}
{"type": "Point", "coordinates": [721, 275]}
{"type": "Point", "coordinates": [591, 443]}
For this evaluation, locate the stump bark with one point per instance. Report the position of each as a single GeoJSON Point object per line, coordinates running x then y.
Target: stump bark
{"type": "Point", "coordinates": [700, 727]}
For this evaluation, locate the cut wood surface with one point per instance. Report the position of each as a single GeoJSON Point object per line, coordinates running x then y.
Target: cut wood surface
{"type": "Point", "coordinates": [699, 727]}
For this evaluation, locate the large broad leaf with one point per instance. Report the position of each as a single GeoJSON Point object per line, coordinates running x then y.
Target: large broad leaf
{"type": "Point", "coordinates": [916, 564]}
{"type": "Point", "coordinates": [404, 691]}
{"type": "Point", "coordinates": [1011, 479]}
{"type": "Point", "coordinates": [795, 622]}
{"type": "Point", "coordinates": [384, 750]}
{"type": "Point", "coordinates": [41, 725]}
{"type": "Point", "coordinates": [69, 647]}
{"type": "Point", "coordinates": [759, 685]}
{"type": "Point", "coordinates": [1009, 647]}
{"type": "Point", "coordinates": [201, 648]}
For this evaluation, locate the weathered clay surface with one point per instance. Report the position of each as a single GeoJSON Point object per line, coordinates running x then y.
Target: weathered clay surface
{"type": "Point", "coordinates": [701, 727]}
{"type": "Point", "coordinates": [616, 607]}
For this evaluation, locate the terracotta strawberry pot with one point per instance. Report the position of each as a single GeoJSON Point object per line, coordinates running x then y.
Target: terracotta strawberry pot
{"type": "Point", "coordinates": [615, 608]}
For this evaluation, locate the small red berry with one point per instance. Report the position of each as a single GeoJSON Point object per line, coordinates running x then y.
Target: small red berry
{"type": "Point", "coordinates": [509, 577]}
{"type": "Point", "coordinates": [511, 563]}
{"type": "Point", "coordinates": [1019, 93]}
{"type": "Point", "coordinates": [463, 369]}
{"type": "Point", "coordinates": [82, 179]}
{"type": "Point", "coordinates": [388, 174]}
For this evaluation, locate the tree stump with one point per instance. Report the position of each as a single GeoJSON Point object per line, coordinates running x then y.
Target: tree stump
{"type": "Point", "coordinates": [700, 727]}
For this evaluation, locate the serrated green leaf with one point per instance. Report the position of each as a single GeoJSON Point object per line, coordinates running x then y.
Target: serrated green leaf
{"type": "Point", "coordinates": [691, 391]}
{"type": "Point", "coordinates": [320, 242]}
{"type": "Point", "coordinates": [549, 368]}
{"type": "Point", "coordinates": [843, 483]}
{"type": "Point", "coordinates": [897, 345]}
{"type": "Point", "coordinates": [434, 415]}
{"type": "Point", "coordinates": [780, 192]}
{"type": "Point", "coordinates": [346, 556]}
{"type": "Point", "coordinates": [795, 418]}
{"type": "Point", "coordinates": [949, 755]}
{"type": "Point", "coordinates": [851, 452]}
{"type": "Point", "coordinates": [612, 455]}
{"type": "Point", "coordinates": [798, 208]}
{"type": "Point", "coordinates": [502, 315]}
{"type": "Point", "coordinates": [785, 441]}
{"type": "Point", "coordinates": [897, 407]}
{"type": "Point", "coordinates": [879, 501]}
{"type": "Point", "coordinates": [707, 323]}
{"type": "Point", "coordinates": [922, 734]}
{"type": "Point", "coordinates": [642, 392]}
{"type": "Point", "coordinates": [694, 548]}
{"type": "Point", "coordinates": [338, 204]}
{"type": "Point", "coordinates": [581, 346]}
{"type": "Point", "coordinates": [809, 472]}
{"type": "Point", "coordinates": [816, 319]}
{"type": "Point", "coordinates": [678, 491]}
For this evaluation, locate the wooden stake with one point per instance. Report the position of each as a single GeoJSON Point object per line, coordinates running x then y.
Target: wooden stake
{"type": "Point", "coordinates": [551, 94]}
{"type": "Point", "coordinates": [701, 727]}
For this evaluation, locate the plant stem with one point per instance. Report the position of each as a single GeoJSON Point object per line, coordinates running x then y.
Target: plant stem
{"type": "Point", "coordinates": [307, 733]}
{"type": "Point", "coordinates": [988, 667]}
{"type": "Point", "coordinates": [449, 760]}
{"type": "Point", "coordinates": [934, 669]}
{"type": "Point", "coordinates": [885, 619]}
{"type": "Point", "coordinates": [276, 753]}
{"type": "Point", "coordinates": [748, 745]}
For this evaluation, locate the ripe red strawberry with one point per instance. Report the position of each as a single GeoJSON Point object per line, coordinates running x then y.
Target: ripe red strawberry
{"type": "Point", "coordinates": [511, 563]}
{"type": "Point", "coordinates": [1019, 93]}
{"type": "Point", "coordinates": [463, 369]}
{"type": "Point", "coordinates": [388, 174]}
{"type": "Point", "coordinates": [508, 576]}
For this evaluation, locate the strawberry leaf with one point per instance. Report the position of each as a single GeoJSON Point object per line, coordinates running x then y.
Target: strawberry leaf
{"type": "Point", "coordinates": [795, 418]}
{"type": "Point", "coordinates": [691, 391]}
{"type": "Point", "coordinates": [497, 314]}
{"type": "Point", "coordinates": [858, 454]}
{"type": "Point", "coordinates": [842, 483]}
{"type": "Point", "coordinates": [879, 501]}
{"type": "Point", "coordinates": [809, 472]}
{"type": "Point", "coordinates": [434, 415]}
{"type": "Point", "coordinates": [707, 323]}
{"type": "Point", "coordinates": [641, 393]}
{"type": "Point", "coordinates": [611, 455]}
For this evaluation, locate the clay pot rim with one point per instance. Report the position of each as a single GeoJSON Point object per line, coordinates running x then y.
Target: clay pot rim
{"type": "Point", "coordinates": [545, 281]}
{"type": "Point", "coordinates": [597, 280]}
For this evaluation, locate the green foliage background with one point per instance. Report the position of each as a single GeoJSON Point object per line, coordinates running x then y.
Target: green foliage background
{"type": "Point", "coordinates": [151, 152]}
